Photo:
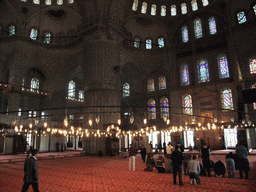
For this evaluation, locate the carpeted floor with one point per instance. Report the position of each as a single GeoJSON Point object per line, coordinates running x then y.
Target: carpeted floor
{"type": "Point", "coordinates": [88, 173]}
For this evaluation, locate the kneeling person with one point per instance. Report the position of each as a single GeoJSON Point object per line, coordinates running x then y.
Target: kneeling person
{"type": "Point", "coordinates": [194, 170]}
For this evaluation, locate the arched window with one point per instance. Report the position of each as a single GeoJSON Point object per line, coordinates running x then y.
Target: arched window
{"type": "Point", "coordinates": [70, 1]}
{"type": "Point", "coordinates": [194, 5]}
{"type": "Point", "coordinates": [148, 44]}
{"type": "Point", "coordinates": [137, 43]}
{"type": "Point", "coordinates": [254, 8]}
{"type": "Point", "coordinates": [184, 74]}
{"type": "Point", "coordinates": [223, 66]}
{"type": "Point", "coordinates": [153, 9]}
{"type": "Point", "coordinates": [72, 90]}
{"type": "Point", "coordinates": [252, 65]}
{"type": "Point", "coordinates": [198, 28]}
{"type": "Point", "coordinates": [152, 109]}
{"type": "Point", "coordinates": [212, 25]}
{"type": "Point", "coordinates": [241, 17]}
{"type": "Point", "coordinates": [34, 86]}
{"type": "Point", "coordinates": [205, 2]}
{"type": "Point", "coordinates": [126, 90]}
{"type": "Point", "coordinates": [33, 34]}
{"type": "Point", "coordinates": [160, 42]}
{"type": "Point", "coordinates": [184, 31]}
{"type": "Point", "coordinates": [60, 2]}
{"type": "Point", "coordinates": [162, 83]}
{"type": "Point", "coordinates": [135, 5]}
{"type": "Point", "coordinates": [173, 10]}
{"type": "Point", "coordinates": [187, 104]}
{"type": "Point", "coordinates": [227, 100]}
{"type": "Point", "coordinates": [163, 10]}
{"type": "Point", "coordinates": [81, 96]}
{"type": "Point", "coordinates": [11, 30]}
{"type": "Point", "coordinates": [47, 38]}
{"type": "Point", "coordinates": [48, 2]}
{"type": "Point", "coordinates": [36, 2]}
{"type": "Point", "coordinates": [254, 104]}
{"type": "Point", "coordinates": [203, 71]}
{"type": "Point", "coordinates": [184, 8]}
{"type": "Point", "coordinates": [144, 8]}
{"type": "Point", "coordinates": [151, 85]}
{"type": "Point", "coordinates": [164, 104]}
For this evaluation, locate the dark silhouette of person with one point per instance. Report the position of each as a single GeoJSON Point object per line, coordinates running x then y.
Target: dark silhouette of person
{"type": "Point", "coordinates": [205, 154]}
{"type": "Point", "coordinates": [31, 172]}
{"type": "Point", "coordinates": [143, 153]}
{"type": "Point", "coordinates": [242, 161]}
{"type": "Point", "coordinates": [177, 158]}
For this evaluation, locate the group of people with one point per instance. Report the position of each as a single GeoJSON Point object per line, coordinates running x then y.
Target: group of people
{"type": "Point", "coordinates": [176, 161]}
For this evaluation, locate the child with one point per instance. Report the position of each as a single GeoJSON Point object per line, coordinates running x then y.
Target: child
{"type": "Point", "coordinates": [194, 171]}
{"type": "Point", "coordinates": [230, 165]}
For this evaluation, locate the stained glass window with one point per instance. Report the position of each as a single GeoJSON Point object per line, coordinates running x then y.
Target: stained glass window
{"type": "Point", "coordinates": [254, 8]}
{"type": "Point", "coordinates": [203, 71]}
{"type": "Point", "coordinates": [81, 96]}
{"type": "Point", "coordinates": [212, 25]}
{"type": "Point", "coordinates": [252, 62]}
{"type": "Point", "coordinates": [205, 2]}
{"type": "Point", "coordinates": [161, 42]}
{"type": "Point", "coordinates": [184, 74]}
{"type": "Point", "coordinates": [60, 2]}
{"type": "Point", "coordinates": [187, 104]}
{"type": "Point", "coordinates": [33, 34]}
{"type": "Point", "coordinates": [47, 38]}
{"type": "Point", "coordinates": [184, 8]}
{"type": "Point", "coordinates": [148, 44]}
{"type": "Point", "coordinates": [126, 90]}
{"type": "Point", "coordinates": [48, 2]}
{"type": "Point", "coordinates": [163, 10]}
{"type": "Point", "coordinates": [241, 17]}
{"type": "Point", "coordinates": [36, 1]}
{"type": "Point", "coordinates": [227, 100]}
{"type": "Point", "coordinates": [137, 43]}
{"type": "Point", "coordinates": [34, 86]}
{"type": "Point", "coordinates": [173, 10]}
{"type": "Point", "coordinates": [151, 85]}
{"type": "Point", "coordinates": [254, 87]}
{"type": "Point", "coordinates": [70, 1]}
{"type": "Point", "coordinates": [135, 5]}
{"type": "Point", "coordinates": [164, 104]}
{"type": "Point", "coordinates": [162, 83]}
{"type": "Point", "coordinates": [223, 66]}
{"type": "Point", "coordinates": [194, 5]}
{"type": "Point", "coordinates": [153, 9]}
{"type": "Point", "coordinates": [152, 109]}
{"type": "Point", "coordinates": [198, 28]}
{"type": "Point", "coordinates": [144, 8]}
{"type": "Point", "coordinates": [11, 30]}
{"type": "Point", "coordinates": [71, 90]}
{"type": "Point", "coordinates": [184, 31]}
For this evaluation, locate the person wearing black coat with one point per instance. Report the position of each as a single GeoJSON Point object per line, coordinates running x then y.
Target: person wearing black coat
{"type": "Point", "coordinates": [177, 158]}
{"type": "Point", "coordinates": [205, 154]}
{"type": "Point", "coordinates": [31, 172]}
{"type": "Point", "coordinates": [143, 153]}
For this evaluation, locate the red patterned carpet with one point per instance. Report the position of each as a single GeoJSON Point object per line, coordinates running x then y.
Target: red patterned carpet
{"type": "Point", "coordinates": [88, 173]}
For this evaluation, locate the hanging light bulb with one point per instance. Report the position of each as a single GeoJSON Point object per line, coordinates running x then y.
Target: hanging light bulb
{"type": "Point", "coordinates": [119, 121]}
{"type": "Point", "coordinates": [97, 120]}
{"type": "Point", "coordinates": [168, 121]}
{"type": "Point", "coordinates": [66, 122]}
{"type": "Point", "coordinates": [30, 125]}
{"type": "Point", "coordinates": [45, 124]}
{"type": "Point", "coordinates": [145, 121]}
{"type": "Point", "coordinates": [131, 119]}
{"type": "Point", "coordinates": [90, 122]}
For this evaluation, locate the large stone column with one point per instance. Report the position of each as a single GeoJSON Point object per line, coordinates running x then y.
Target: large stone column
{"type": "Point", "coordinates": [103, 94]}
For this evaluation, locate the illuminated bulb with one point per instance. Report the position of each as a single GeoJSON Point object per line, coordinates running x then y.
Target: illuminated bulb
{"type": "Point", "coordinates": [30, 125]}
{"type": "Point", "coordinates": [90, 122]}
{"type": "Point", "coordinates": [112, 126]}
{"type": "Point", "coordinates": [199, 124]}
{"type": "Point", "coordinates": [45, 124]}
{"type": "Point", "coordinates": [119, 121]}
{"type": "Point", "coordinates": [21, 126]}
{"type": "Point", "coordinates": [145, 121]}
{"type": "Point", "coordinates": [168, 121]}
